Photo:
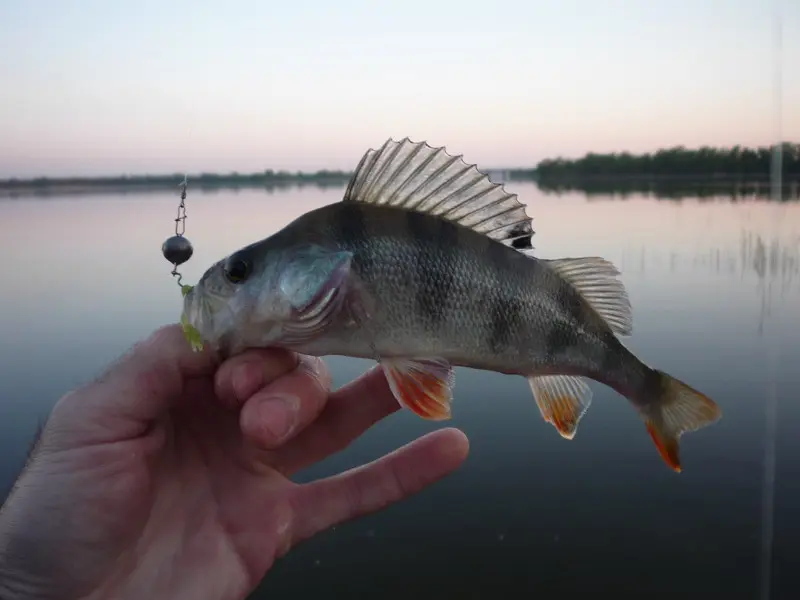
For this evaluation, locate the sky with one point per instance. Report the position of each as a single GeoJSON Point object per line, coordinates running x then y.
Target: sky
{"type": "Point", "coordinates": [94, 87]}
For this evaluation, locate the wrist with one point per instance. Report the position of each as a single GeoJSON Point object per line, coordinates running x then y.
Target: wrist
{"type": "Point", "coordinates": [13, 584]}
{"type": "Point", "coordinates": [17, 552]}
{"type": "Point", "coordinates": [10, 589]}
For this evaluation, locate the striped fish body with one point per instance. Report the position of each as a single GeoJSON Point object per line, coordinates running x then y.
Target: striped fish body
{"type": "Point", "coordinates": [426, 265]}
{"type": "Point", "coordinates": [442, 290]}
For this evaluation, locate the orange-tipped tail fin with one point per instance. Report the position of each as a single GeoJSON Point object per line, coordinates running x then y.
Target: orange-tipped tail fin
{"type": "Point", "coordinates": [678, 408]}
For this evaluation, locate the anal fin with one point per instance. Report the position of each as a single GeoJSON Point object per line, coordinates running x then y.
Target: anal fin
{"type": "Point", "coordinates": [422, 385]}
{"type": "Point", "coordinates": [562, 400]}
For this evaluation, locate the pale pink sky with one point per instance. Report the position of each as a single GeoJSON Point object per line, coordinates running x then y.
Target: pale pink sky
{"type": "Point", "coordinates": [93, 87]}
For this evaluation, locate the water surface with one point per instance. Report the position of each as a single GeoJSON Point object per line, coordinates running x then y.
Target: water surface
{"type": "Point", "coordinates": [715, 287]}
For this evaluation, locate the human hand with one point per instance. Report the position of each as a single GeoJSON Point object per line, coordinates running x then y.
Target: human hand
{"type": "Point", "coordinates": [168, 476]}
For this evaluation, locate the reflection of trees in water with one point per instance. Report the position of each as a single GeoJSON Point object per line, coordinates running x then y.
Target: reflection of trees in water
{"type": "Point", "coordinates": [776, 264]}
{"type": "Point", "coordinates": [773, 260]}
{"type": "Point", "coordinates": [209, 185]}
{"type": "Point", "coordinates": [673, 189]}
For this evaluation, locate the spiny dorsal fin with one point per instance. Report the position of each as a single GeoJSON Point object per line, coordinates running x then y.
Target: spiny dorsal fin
{"type": "Point", "coordinates": [596, 280]}
{"type": "Point", "coordinates": [419, 177]}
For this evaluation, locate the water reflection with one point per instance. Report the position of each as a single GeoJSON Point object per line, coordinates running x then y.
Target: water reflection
{"type": "Point", "coordinates": [771, 261]}
{"type": "Point", "coordinates": [672, 188]}
{"type": "Point", "coordinates": [668, 188]}
{"type": "Point", "coordinates": [209, 185]}
{"type": "Point", "coordinates": [714, 286]}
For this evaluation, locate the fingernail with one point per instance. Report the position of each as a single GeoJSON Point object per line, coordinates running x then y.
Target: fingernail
{"type": "Point", "coordinates": [279, 414]}
{"type": "Point", "coordinates": [247, 379]}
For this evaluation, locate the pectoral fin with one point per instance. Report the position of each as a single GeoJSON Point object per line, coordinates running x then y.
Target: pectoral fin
{"type": "Point", "coordinates": [422, 385]}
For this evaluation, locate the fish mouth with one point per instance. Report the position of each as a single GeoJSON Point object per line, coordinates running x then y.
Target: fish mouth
{"type": "Point", "coordinates": [202, 310]}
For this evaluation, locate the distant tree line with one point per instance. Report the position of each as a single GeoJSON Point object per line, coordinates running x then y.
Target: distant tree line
{"type": "Point", "coordinates": [737, 163]}
{"type": "Point", "coordinates": [679, 161]}
{"type": "Point", "coordinates": [267, 178]}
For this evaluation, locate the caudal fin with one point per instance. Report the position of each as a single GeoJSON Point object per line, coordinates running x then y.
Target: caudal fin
{"type": "Point", "coordinates": [675, 409]}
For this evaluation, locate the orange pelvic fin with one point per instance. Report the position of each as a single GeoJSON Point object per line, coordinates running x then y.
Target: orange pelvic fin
{"type": "Point", "coordinates": [562, 400]}
{"type": "Point", "coordinates": [422, 385]}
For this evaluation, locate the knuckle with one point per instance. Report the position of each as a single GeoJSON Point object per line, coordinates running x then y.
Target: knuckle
{"type": "Point", "coordinates": [153, 381]}
{"type": "Point", "coordinates": [396, 486]}
{"type": "Point", "coordinates": [316, 368]}
{"type": "Point", "coordinates": [164, 335]}
{"type": "Point", "coordinates": [278, 363]}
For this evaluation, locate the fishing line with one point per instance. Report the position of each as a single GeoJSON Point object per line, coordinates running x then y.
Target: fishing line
{"type": "Point", "coordinates": [771, 405]}
{"type": "Point", "coordinates": [177, 249]}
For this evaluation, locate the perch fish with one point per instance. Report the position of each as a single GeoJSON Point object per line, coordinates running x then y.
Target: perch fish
{"type": "Point", "coordinates": [425, 265]}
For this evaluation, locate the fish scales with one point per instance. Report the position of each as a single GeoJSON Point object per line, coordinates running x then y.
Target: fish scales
{"type": "Point", "coordinates": [444, 290]}
{"type": "Point", "coordinates": [425, 265]}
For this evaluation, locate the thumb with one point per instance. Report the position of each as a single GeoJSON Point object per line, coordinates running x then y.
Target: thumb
{"type": "Point", "coordinates": [136, 389]}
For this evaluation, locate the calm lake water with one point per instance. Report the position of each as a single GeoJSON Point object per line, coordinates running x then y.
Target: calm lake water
{"type": "Point", "coordinates": [715, 287]}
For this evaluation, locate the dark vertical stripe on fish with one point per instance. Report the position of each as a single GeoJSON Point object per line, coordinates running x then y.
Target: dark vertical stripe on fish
{"type": "Point", "coordinates": [555, 342]}
{"type": "Point", "coordinates": [505, 317]}
{"type": "Point", "coordinates": [504, 312]}
{"type": "Point", "coordinates": [562, 335]}
{"type": "Point", "coordinates": [350, 227]}
{"type": "Point", "coordinates": [612, 357]}
{"type": "Point", "coordinates": [435, 266]}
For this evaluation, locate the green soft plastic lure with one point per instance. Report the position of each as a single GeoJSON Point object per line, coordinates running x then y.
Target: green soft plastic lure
{"type": "Point", "coordinates": [189, 332]}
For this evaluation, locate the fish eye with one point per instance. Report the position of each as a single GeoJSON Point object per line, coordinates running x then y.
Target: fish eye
{"type": "Point", "coordinates": [236, 269]}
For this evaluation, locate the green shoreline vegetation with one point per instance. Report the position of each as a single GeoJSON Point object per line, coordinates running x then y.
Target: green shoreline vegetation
{"type": "Point", "coordinates": [706, 162]}
{"type": "Point", "coordinates": [737, 173]}
{"type": "Point", "coordinates": [682, 170]}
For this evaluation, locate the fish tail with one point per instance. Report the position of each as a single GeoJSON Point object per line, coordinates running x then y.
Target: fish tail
{"type": "Point", "coordinates": [670, 408]}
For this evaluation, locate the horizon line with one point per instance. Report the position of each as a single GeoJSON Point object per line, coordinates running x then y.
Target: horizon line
{"type": "Point", "coordinates": [340, 173]}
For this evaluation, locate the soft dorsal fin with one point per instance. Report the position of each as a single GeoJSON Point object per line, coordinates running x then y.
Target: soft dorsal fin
{"type": "Point", "coordinates": [596, 280]}
{"type": "Point", "coordinates": [419, 177]}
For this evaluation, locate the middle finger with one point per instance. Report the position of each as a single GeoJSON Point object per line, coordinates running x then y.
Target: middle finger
{"type": "Point", "coordinates": [350, 411]}
{"type": "Point", "coordinates": [282, 409]}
